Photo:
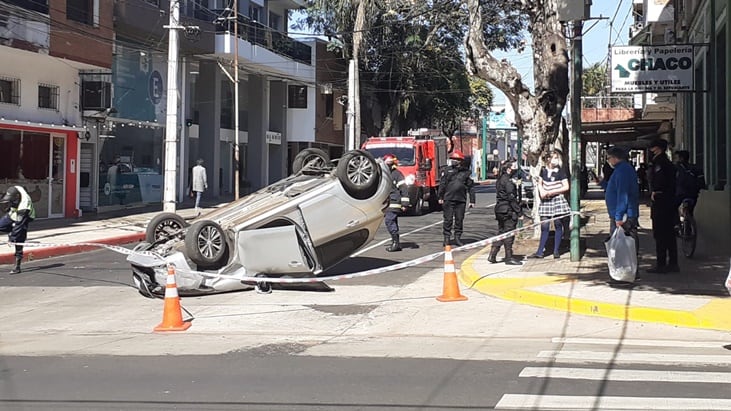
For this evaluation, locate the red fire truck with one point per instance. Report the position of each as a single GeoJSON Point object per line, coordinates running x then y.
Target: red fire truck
{"type": "Point", "coordinates": [421, 159]}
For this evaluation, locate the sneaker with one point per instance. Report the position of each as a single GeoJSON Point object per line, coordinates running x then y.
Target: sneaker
{"type": "Point", "coordinates": [532, 256]}
{"type": "Point", "coordinates": [557, 256]}
{"type": "Point", "coordinates": [513, 262]}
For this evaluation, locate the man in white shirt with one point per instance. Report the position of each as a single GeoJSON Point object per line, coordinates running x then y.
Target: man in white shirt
{"type": "Point", "coordinates": [200, 183]}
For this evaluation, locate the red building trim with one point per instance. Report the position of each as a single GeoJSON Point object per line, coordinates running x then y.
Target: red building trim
{"type": "Point", "coordinates": [71, 188]}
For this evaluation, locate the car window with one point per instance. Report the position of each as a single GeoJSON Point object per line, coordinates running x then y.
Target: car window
{"type": "Point", "coordinates": [405, 155]}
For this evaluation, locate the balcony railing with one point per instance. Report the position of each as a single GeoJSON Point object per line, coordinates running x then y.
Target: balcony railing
{"type": "Point", "coordinates": [278, 42]}
{"type": "Point", "coordinates": [40, 6]}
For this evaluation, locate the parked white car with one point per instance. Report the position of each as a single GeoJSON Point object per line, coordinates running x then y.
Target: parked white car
{"type": "Point", "coordinates": [303, 224]}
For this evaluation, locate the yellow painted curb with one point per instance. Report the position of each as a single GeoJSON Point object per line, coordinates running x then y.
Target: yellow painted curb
{"type": "Point", "coordinates": [715, 315]}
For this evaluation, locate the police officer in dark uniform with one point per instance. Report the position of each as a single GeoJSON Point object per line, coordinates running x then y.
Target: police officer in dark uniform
{"type": "Point", "coordinates": [663, 210]}
{"type": "Point", "coordinates": [20, 212]}
{"type": "Point", "coordinates": [507, 211]}
{"type": "Point", "coordinates": [455, 184]}
{"type": "Point", "coordinates": [396, 202]}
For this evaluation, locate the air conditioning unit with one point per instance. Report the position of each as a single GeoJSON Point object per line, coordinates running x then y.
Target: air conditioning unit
{"type": "Point", "coordinates": [636, 28]}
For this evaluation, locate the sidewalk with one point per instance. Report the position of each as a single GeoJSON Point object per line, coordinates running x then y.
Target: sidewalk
{"type": "Point", "coordinates": [695, 297]}
{"type": "Point", "coordinates": [113, 228]}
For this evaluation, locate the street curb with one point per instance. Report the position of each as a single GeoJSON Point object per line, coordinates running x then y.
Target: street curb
{"type": "Point", "coordinates": [711, 316]}
{"type": "Point", "coordinates": [31, 254]}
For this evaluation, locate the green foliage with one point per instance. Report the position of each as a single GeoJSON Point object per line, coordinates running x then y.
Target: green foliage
{"type": "Point", "coordinates": [595, 79]}
{"type": "Point", "coordinates": [412, 65]}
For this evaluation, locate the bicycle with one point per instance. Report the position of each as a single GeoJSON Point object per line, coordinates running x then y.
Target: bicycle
{"type": "Point", "coordinates": [687, 231]}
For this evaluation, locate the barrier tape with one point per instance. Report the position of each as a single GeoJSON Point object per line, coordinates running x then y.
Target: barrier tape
{"type": "Point", "coordinates": [366, 273]}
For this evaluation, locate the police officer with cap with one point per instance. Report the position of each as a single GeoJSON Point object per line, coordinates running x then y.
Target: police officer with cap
{"type": "Point", "coordinates": [20, 212]}
{"type": "Point", "coordinates": [455, 185]}
{"type": "Point", "coordinates": [397, 201]}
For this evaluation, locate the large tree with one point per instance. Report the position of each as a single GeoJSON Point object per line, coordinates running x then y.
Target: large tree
{"type": "Point", "coordinates": [496, 25]}
{"type": "Point", "coordinates": [411, 65]}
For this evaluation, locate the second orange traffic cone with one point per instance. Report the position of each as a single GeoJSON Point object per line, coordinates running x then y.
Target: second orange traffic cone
{"type": "Point", "coordinates": [451, 286]}
{"type": "Point", "coordinates": [172, 315]}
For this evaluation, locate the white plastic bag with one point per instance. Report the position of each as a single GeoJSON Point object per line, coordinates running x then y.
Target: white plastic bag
{"type": "Point", "coordinates": [621, 256]}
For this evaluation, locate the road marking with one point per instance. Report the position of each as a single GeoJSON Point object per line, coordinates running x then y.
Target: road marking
{"type": "Point", "coordinates": [598, 374]}
{"type": "Point", "coordinates": [385, 241]}
{"type": "Point", "coordinates": [642, 343]}
{"type": "Point", "coordinates": [636, 357]}
{"type": "Point", "coordinates": [587, 402]}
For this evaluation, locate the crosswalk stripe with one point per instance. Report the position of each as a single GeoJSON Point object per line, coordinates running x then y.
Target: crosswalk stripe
{"type": "Point", "coordinates": [568, 402]}
{"type": "Point", "coordinates": [643, 343]}
{"type": "Point", "coordinates": [598, 374]}
{"type": "Point", "coordinates": [636, 357]}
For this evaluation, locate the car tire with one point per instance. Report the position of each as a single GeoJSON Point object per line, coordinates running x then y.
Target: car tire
{"type": "Point", "coordinates": [205, 244]}
{"type": "Point", "coordinates": [359, 174]}
{"type": "Point", "coordinates": [314, 157]}
{"type": "Point", "coordinates": [418, 208]}
{"type": "Point", "coordinates": [164, 225]}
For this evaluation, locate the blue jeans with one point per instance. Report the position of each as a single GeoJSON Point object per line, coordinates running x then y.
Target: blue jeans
{"type": "Point", "coordinates": [198, 195]}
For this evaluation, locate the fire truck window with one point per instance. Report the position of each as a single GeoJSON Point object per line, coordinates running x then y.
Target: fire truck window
{"type": "Point", "coordinates": [405, 155]}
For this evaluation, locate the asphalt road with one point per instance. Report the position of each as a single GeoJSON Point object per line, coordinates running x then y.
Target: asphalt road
{"type": "Point", "coordinates": [363, 372]}
{"type": "Point", "coordinates": [421, 235]}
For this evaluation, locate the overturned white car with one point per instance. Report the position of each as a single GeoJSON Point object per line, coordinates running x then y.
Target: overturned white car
{"type": "Point", "coordinates": [303, 224]}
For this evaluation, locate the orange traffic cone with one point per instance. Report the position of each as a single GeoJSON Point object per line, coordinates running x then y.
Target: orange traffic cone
{"type": "Point", "coordinates": [172, 315]}
{"type": "Point", "coordinates": [451, 287]}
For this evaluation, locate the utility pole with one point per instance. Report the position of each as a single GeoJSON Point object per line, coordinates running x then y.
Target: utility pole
{"type": "Point", "coordinates": [576, 86]}
{"type": "Point", "coordinates": [236, 100]}
{"type": "Point", "coordinates": [171, 124]}
{"type": "Point", "coordinates": [483, 169]}
{"type": "Point", "coordinates": [350, 143]}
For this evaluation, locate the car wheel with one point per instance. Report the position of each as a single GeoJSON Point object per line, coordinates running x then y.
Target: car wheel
{"type": "Point", "coordinates": [310, 158]}
{"type": "Point", "coordinates": [164, 226]}
{"type": "Point", "coordinates": [206, 244]}
{"type": "Point", "coordinates": [359, 174]}
{"type": "Point", "coordinates": [418, 208]}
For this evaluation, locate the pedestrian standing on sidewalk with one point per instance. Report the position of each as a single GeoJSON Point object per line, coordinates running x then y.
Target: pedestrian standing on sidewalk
{"type": "Point", "coordinates": [455, 186]}
{"type": "Point", "coordinates": [20, 212]}
{"type": "Point", "coordinates": [396, 203]}
{"type": "Point", "coordinates": [663, 210]}
{"type": "Point", "coordinates": [507, 212]}
{"type": "Point", "coordinates": [553, 183]}
{"type": "Point", "coordinates": [623, 195]}
{"type": "Point", "coordinates": [200, 183]}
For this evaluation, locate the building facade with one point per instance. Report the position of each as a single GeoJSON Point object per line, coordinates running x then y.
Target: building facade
{"type": "Point", "coordinates": [696, 120]}
{"type": "Point", "coordinates": [46, 49]}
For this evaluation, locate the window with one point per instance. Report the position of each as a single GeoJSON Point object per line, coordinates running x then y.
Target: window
{"type": "Point", "coordinates": [275, 21]}
{"type": "Point", "coordinates": [9, 91]}
{"type": "Point", "coordinates": [80, 10]}
{"type": "Point", "coordinates": [255, 13]}
{"type": "Point", "coordinates": [40, 6]}
{"type": "Point", "coordinates": [329, 105]}
{"type": "Point", "coordinates": [297, 97]}
{"type": "Point", "coordinates": [48, 96]}
{"type": "Point", "coordinates": [96, 95]}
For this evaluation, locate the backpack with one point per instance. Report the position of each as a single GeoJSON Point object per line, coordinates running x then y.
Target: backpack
{"type": "Point", "coordinates": [690, 180]}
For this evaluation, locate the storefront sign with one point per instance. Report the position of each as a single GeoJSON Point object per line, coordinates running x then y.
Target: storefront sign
{"type": "Point", "coordinates": [652, 69]}
{"type": "Point", "coordinates": [273, 137]}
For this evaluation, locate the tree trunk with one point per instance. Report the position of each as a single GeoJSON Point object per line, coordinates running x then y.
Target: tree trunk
{"type": "Point", "coordinates": [537, 113]}
{"type": "Point", "coordinates": [357, 40]}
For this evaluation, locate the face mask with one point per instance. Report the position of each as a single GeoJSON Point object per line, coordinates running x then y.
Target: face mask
{"type": "Point", "coordinates": [453, 163]}
{"type": "Point", "coordinates": [554, 162]}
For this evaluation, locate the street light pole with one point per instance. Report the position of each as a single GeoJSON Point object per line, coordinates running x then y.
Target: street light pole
{"type": "Point", "coordinates": [171, 123]}
{"type": "Point", "coordinates": [576, 83]}
{"type": "Point", "coordinates": [236, 100]}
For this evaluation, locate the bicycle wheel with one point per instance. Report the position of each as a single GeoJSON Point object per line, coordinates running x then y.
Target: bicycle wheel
{"type": "Point", "coordinates": [689, 237]}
